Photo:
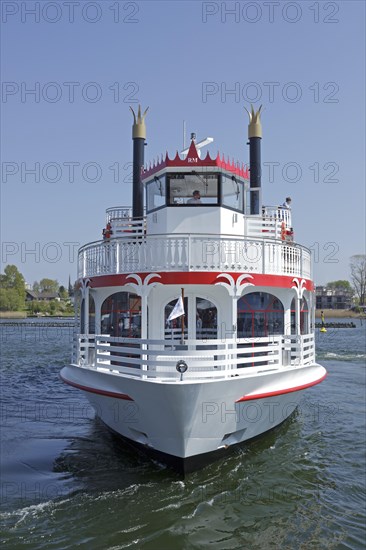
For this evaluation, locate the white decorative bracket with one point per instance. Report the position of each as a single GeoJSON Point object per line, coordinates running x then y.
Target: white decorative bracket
{"type": "Point", "coordinates": [235, 289]}
{"type": "Point", "coordinates": [143, 288]}
{"type": "Point", "coordinates": [299, 287]}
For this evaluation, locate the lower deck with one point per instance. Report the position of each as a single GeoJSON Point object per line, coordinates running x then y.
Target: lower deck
{"type": "Point", "coordinates": [203, 359]}
{"type": "Point", "coordinates": [218, 330]}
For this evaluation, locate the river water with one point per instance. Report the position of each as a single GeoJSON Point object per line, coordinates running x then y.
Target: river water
{"type": "Point", "coordinates": [67, 482]}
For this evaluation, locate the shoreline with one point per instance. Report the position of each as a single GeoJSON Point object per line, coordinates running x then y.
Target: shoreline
{"type": "Point", "coordinates": [328, 314]}
{"type": "Point", "coordinates": [339, 314]}
{"type": "Point", "coordinates": [23, 315]}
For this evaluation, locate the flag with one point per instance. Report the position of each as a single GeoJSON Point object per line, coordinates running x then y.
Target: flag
{"type": "Point", "coordinates": [178, 309]}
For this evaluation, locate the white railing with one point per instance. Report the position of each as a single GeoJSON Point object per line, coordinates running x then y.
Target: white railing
{"type": "Point", "coordinates": [205, 359]}
{"type": "Point", "coordinates": [274, 223]}
{"type": "Point", "coordinates": [118, 213]}
{"type": "Point", "coordinates": [277, 213]}
{"type": "Point", "coordinates": [127, 228]}
{"type": "Point", "coordinates": [122, 224]}
{"type": "Point", "coordinates": [182, 252]}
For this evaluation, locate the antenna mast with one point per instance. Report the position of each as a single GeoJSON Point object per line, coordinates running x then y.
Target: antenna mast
{"type": "Point", "coordinates": [184, 134]}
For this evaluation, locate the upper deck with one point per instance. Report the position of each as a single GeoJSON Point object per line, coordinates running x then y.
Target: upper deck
{"type": "Point", "coordinates": [263, 247]}
{"type": "Point", "coordinates": [199, 215]}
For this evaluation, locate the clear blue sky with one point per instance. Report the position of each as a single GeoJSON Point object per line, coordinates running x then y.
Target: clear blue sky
{"type": "Point", "coordinates": [163, 54]}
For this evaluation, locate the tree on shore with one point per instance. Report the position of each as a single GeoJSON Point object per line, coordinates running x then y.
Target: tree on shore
{"type": "Point", "coordinates": [12, 291]}
{"type": "Point", "coordinates": [48, 285]}
{"type": "Point", "coordinates": [358, 276]}
{"type": "Point", "coordinates": [340, 285]}
{"type": "Point", "coordinates": [63, 293]}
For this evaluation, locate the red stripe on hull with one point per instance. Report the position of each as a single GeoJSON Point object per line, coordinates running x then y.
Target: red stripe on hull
{"type": "Point", "coordinates": [280, 392]}
{"type": "Point", "coordinates": [95, 390]}
{"type": "Point", "coordinates": [198, 278]}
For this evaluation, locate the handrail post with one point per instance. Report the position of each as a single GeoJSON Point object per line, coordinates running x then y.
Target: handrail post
{"type": "Point", "coordinates": [189, 251]}
{"type": "Point", "coordinates": [301, 259]}
{"type": "Point", "coordinates": [117, 256]}
{"type": "Point", "coordinates": [84, 263]}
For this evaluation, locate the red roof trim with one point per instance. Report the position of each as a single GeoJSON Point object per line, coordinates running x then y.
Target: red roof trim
{"type": "Point", "coordinates": [280, 392]}
{"type": "Point", "coordinates": [192, 160]}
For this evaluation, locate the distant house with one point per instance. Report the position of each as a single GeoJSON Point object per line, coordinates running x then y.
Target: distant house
{"type": "Point", "coordinates": [329, 298]}
{"type": "Point", "coordinates": [32, 296]}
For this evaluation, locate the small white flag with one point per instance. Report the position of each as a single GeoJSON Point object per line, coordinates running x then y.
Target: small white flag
{"type": "Point", "coordinates": [178, 310]}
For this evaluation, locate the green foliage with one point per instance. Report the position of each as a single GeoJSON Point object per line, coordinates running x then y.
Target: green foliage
{"type": "Point", "coordinates": [358, 276]}
{"type": "Point", "coordinates": [12, 294]}
{"type": "Point", "coordinates": [12, 291]}
{"type": "Point", "coordinates": [38, 307]}
{"type": "Point", "coordinates": [36, 286]}
{"type": "Point", "coordinates": [340, 285]}
{"type": "Point", "coordinates": [11, 300]}
{"type": "Point", "coordinates": [52, 307]}
{"type": "Point", "coordinates": [48, 285]}
{"type": "Point", "coordinates": [63, 293]}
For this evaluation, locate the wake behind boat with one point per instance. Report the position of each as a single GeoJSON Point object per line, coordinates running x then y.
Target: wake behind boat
{"type": "Point", "coordinates": [196, 320]}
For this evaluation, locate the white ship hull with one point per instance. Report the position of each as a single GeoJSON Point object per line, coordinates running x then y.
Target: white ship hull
{"type": "Point", "coordinates": [190, 422]}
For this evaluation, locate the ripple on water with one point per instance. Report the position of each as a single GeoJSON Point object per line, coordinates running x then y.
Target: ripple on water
{"type": "Point", "coordinates": [300, 486]}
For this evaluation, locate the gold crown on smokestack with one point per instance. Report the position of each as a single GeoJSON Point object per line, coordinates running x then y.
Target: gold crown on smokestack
{"type": "Point", "coordinates": [255, 126]}
{"type": "Point", "coordinates": [139, 128]}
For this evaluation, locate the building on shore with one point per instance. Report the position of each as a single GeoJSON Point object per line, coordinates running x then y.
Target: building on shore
{"type": "Point", "coordinates": [330, 298]}
{"type": "Point", "coordinates": [32, 296]}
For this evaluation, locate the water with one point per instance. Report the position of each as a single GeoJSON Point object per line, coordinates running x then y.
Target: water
{"type": "Point", "coordinates": [67, 482]}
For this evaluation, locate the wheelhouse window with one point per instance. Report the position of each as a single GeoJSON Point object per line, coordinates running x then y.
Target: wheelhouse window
{"type": "Point", "coordinates": [155, 193]}
{"type": "Point", "coordinates": [260, 314]}
{"type": "Point", "coordinates": [232, 190]}
{"type": "Point", "coordinates": [195, 188]}
{"type": "Point", "coordinates": [121, 315]}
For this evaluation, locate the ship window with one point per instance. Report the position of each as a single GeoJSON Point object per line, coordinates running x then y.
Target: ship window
{"type": "Point", "coordinates": [155, 193]}
{"type": "Point", "coordinates": [304, 317]}
{"type": "Point", "coordinates": [260, 314]}
{"type": "Point", "coordinates": [181, 188]}
{"type": "Point", "coordinates": [121, 315]}
{"type": "Point", "coordinates": [206, 320]}
{"type": "Point", "coordinates": [232, 193]}
{"type": "Point", "coordinates": [91, 315]}
{"type": "Point", "coordinates": [173, 328]}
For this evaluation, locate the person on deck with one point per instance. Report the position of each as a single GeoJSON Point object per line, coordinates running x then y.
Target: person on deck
{"type": "Point", "coordinates": [287, 203]}
{"type": "Point", "coordinates": [196, 199]}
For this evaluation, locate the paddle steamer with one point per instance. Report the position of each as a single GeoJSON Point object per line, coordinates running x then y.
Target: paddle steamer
{"type": "Point", "coordinates": [196, 318]}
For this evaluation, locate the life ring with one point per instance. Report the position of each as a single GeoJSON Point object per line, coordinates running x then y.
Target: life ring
{"type": "Point", "coordinates": [283, 231]}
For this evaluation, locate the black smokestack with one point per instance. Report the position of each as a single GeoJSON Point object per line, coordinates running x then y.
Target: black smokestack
{"type": "Point", "coordinates": [255, 137]}
{"type": "Point", "coordinates": [138, 137]}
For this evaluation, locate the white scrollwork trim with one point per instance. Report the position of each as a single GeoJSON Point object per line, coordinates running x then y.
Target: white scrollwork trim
{"type": "Point", "coordinates": [143, 288]}
{"type": "Point", "coordinates": [84, 285]}
{"type": "Point", "coordinates": [299, 287]}
{"type": "Point", "coordinates": [235, 289]}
